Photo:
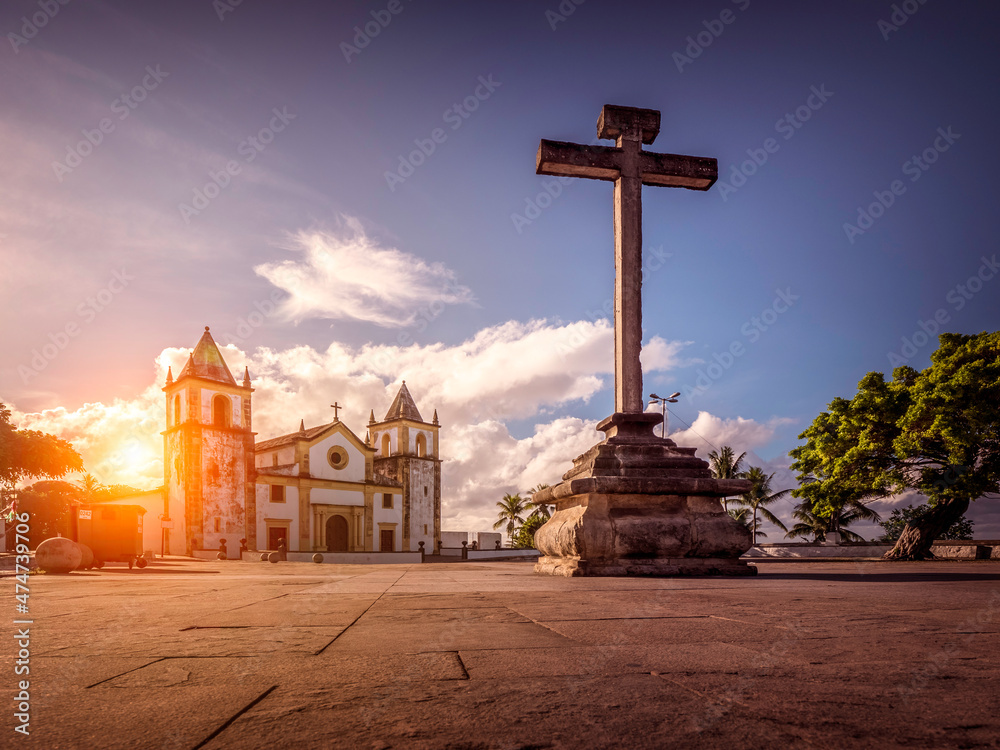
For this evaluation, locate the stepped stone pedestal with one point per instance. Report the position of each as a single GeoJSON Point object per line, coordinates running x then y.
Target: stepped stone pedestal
{"type": "Point", "coordinates": [638, 505]}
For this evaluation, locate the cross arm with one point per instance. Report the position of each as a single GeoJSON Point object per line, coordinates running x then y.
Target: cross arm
{"type": "Point", "coordinates": [671, 170]}
{"type": "Point", "coordinates": [575, 160]}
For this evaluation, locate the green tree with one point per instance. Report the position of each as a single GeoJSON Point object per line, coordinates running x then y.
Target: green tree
{"type": "Point", "coordinates": [540, 509]}
{"type": "Point", "coordinates": [899, 518]}
{"type": "Point", "coordinates": [936, 432]}
{"type": "Point", "coordinates": [811, 524]}
{"type": "Point", "coordinates": [30, 454]}
{"type": "Point", "coordinates": [91, 490]}
{"type": "Point", "coordinates": [742, 516]}
{"type": "Point", "coordinates": [725, 464]}
{"type": "Point", "coordinates": [512, 508]}
{"type": "Point", "coordinates": [524, 537]}
{"type": "Point", "coordinates": [50, 505]}
{"type": "Point", "coordinates": [758, 498]}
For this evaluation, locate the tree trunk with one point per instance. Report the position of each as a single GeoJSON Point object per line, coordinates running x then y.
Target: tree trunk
{"type": "Point", "coordinates": [918, 535]}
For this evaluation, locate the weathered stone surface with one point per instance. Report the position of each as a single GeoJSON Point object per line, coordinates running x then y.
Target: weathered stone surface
{"type": "Point", "coordinates": [58, 555]}
{"type": "Point", "coordinates": [639, 505]}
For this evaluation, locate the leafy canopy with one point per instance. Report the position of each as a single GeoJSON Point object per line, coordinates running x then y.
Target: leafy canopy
{"type": "Point", "coordinates": [30, 454]}
{"type": "Point", "coordinates": [936, 431]}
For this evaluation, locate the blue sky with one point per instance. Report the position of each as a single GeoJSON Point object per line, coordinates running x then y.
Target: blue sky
{"type": "Point", "coordinates": [454, 253]}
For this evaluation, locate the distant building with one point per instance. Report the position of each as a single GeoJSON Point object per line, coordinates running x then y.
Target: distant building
{"type": "Point", "coordinates": [318, 489]}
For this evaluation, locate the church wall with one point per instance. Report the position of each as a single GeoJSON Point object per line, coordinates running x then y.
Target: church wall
{"type": "Point", "coordinates": [421, 504]}
{"type": "Point", "coordinates": [286, 512]}
{"type": "Point", "coordinates": [324, 496]}
{"type": "Point", "coordinates": [223, 483]}
{"type": "Point", "coordinates": [393, 442]}
{"type": "Point", "coordinates": [286, 455]}
{"type": "Point", "coordinates": [235, 403]}
{"type": "Point", "coordinates": [428, 436]}
{"type": "Point", "coordinates": [320, 467]}
{"type": "Point", "coordinates": [389, 517]}
{"type": "Point", "coordinates": [174, 483]}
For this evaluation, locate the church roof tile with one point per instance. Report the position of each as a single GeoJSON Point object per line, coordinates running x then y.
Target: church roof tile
{"type": "Point", "coordinates": [403, 407]}
{"type": "Point", "coordinates": [206, 362]}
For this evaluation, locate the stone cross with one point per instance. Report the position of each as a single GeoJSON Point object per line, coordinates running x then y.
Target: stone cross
{"type": "Point", "coordinates": [336, 411]}
{"type": "Point", "coordinates": [630, 168]}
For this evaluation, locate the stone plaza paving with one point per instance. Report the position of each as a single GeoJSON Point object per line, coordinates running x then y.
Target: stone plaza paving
{"type": "Point", "coordinates": [489, 655]}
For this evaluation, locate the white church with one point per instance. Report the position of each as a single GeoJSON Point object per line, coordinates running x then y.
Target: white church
{"type": "Point", "coordinates": [321, 488]}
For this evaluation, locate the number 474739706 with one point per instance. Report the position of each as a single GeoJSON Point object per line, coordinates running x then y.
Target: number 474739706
{"type": "Point", "coordinates": [22, 559]}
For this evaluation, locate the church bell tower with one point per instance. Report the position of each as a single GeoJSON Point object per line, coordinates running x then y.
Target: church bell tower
{"type": "Point", "coordinates": [208, 454]}
{"type": "Point", "coordinates": [408, 450]}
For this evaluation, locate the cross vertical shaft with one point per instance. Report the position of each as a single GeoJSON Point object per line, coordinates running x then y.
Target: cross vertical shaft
{"type": "Point", "coordinates": [630, 168]}
{"type": "Point", "coordinates": [628, 278]}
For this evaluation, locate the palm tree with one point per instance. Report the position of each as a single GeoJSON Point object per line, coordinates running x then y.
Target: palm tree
{"type": "Point", "coordinates": [810, 524]}
{"type": "Point", "coordinates": [740, 515]}
{"type": "Point", "coordinates": [541, 510]}
{"type": "Point", "coordinates": [511, 508]}
{"type": "Point", "coordinates": [758, 498]}
{"type": "Point", "coordinates": [726, 465]}
{"type": "Point", "coordinates": [90, 488]}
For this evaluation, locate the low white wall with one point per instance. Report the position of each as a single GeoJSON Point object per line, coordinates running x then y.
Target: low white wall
{"type": "Point", "coordinates": [496, 554]}
{"type": "Point", "coordinates": [451, 551]}
{"type": "Point", "coordinates": [347, 558]}
{"type": "Point", "coordinates": [944, 550]}
{"type": "Point", "coordinates": [454, 538]}
{"type": "Point", "coordinates": [209, 554]}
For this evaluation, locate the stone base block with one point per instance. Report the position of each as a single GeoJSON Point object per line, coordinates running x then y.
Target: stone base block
{"type": "Point", "coordinates": [638, 534]}
{"type": "Point", "coordinates": [680, 566]}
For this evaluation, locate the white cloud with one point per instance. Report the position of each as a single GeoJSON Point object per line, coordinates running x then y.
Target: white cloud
{"type": "Point", "coordinates": [349, 276]}
{"type": "Point", "coordinates": [709, 432]}
{"type": "Point", "coordinates": [511, 371]}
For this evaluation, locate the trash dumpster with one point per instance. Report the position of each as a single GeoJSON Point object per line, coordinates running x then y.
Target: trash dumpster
{"type": "Point", "coordinates": [113, 532]}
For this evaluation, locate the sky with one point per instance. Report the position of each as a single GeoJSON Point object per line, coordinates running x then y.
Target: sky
{"type": "Point", "coordinates": [346, 194]}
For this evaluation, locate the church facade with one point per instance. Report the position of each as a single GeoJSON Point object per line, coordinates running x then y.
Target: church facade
{"type": "Point", "coordinates": [318, 489]}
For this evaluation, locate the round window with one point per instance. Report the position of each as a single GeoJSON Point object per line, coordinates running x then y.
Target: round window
{"type": "Point", "coordinates": [337, 457]}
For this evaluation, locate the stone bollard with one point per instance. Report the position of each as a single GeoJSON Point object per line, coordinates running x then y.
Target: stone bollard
{"type": "Point", "coordinates": [421, 545]}
{"type": "Point", "coordinates": [274, 557]}
{"type": "Point", "coordinates": [265, 556]}
{"type": "Point", "coordinates": [58, 555]}
{"type": "Point", "coordinates": [465, 550]}
{"type": "Point", "coordinates": [317, 558]}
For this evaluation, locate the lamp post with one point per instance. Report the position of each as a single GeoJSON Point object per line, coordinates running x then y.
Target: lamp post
{"type": "Point", "coordinates": [671, 399]}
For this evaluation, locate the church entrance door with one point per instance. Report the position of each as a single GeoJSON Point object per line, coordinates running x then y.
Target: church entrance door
{"type": "Point", "coordinates": [386, 540]}
{"type": "Point", "coordinates": [336, 534]}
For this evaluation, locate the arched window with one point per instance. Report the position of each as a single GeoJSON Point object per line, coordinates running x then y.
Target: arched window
{"type": "Point", "coordinates": [177, 410]}
{"type": "Point", "coordinates": [421, 445]}
{"type": "Point", "coordinates": [222, 411]}
{"type": "Point", "coordinates": [385, 445]}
